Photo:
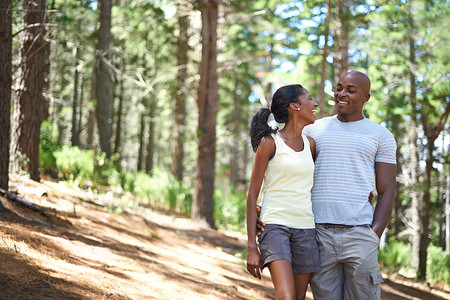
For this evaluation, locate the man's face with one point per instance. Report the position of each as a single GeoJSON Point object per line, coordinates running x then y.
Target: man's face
{"type": "Point", "coordinates": [352, 92]}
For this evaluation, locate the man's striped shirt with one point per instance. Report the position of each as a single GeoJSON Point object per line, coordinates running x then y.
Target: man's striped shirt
{"type": "Point", "coordinates": [346, 153]}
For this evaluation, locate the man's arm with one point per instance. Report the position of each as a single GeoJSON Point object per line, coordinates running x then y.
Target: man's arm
{"type": "Point", "coordinates": [386, 183]}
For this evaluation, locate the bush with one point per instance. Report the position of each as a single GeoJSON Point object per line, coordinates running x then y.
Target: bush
{"type": "Point", "coordinates": [395, 256]}
{"type": "Point", "coordinates": [438, 264]}
{"type": "Point", "coordinates": [230, 209]}
{"type": "Point", "coordinates": [75, 164]}
{"type": "Point", "coordinates": [47, 148]}
{"type": "Point", "coordinates": [162, 189]}
{"type": "Point", "coordinates": [84, 165]}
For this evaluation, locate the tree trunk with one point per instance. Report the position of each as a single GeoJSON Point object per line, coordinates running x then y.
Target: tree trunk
{"type": "Point", "coordinates": [103, 90]}
{"type": "Point", "coordinates": [149, 162]}
{"type": "Point", "coordinates": [141, 141]}
{"type": "Point", "coordinates": [398, 199]}
{"type": "Point", "coordinates": [91, 116]}
{"type": "Point", "coordinates": [5, 89]}
{"type": "Point", "coordinates": [90, 128]}
{"type": "Point", "coordinates": [415, 205]}
{"type": "Point", "coordinates": [75, 140]}
{"type": "Point", "coordinates": [235, 131]}
{"type": "Point", "coordinates": [80, 111]}
{"type": "Point", "coordinates": [118, 138]}
{"type": "Point", "coordinates": [447, 210]}
{"type": "Point", "coordinates": [29, 91]}
{"type": "Point", "coordinates": [181, 90]}
{"type": "Point", "coordinates": [341, 39]}
{"type": "Point", "coordinates": [323, 69]}
{"type": "Point", "coordinates": [203, 201]}
{"type": "Point", "coordinates": [245, 151]}
{"type": "Point", "coordinates": [425, 215]}
{"type": "Point", "coordinates": [46, 74]}
{"type": "Point", "coordinates": [441, 197]}
{"type": "Point", "coordinates": [432, 132]}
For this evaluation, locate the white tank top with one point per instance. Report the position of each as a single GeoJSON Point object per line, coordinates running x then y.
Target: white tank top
{"type": "Point", "coordinates": [287, 189]}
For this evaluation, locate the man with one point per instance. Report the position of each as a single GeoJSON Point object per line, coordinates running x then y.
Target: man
{"type": "Point", "coordinates": [352, 154]}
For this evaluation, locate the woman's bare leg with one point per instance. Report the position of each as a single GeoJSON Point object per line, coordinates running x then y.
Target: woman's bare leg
{"type": "Point", "coordinates": [301, 282]}
{"type": "Point", "coordinates": [283, 279]}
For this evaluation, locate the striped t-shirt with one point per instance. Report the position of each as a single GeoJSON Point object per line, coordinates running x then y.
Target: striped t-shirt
{"type": "Point", "coordinates": [344, 174]}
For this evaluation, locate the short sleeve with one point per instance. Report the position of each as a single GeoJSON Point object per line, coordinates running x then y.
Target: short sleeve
{"type": "Point", "coordinates": [387, 149]}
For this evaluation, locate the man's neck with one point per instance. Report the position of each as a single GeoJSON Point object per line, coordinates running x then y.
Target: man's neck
{"type": "Point", "coordinates": [346, 119]}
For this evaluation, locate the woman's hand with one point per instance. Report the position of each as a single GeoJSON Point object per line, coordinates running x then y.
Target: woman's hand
{"type": "Point", "coordinates": [254, 264]}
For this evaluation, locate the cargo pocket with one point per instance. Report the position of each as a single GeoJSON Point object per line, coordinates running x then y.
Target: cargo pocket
{"type": "Point", "coordinates": [375, 279]}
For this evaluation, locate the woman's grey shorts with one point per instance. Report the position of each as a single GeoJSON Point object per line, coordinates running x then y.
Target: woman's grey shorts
{"type": "Point", "coordinates": [298, 246]}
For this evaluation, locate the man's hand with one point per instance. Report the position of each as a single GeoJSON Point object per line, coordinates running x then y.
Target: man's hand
{"type": "Point", "coordinates": [370, 197]}
{"type": "Point", "coordinates": [259, 224]}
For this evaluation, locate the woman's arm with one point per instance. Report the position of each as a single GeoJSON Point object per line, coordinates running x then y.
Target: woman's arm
{"type": "Point", "coordinates": [265, 151]}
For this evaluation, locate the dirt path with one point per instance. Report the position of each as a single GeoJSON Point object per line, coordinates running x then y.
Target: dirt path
{"type": "Point", "coordinates": [83, 251]}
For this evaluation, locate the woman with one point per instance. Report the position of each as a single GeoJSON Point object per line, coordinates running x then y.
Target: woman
{"type": "Point", "coordinates": [285, 159]}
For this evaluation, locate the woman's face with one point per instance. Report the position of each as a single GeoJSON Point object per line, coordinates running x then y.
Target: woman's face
{"type": "Point", "coordinates": [308, 107]}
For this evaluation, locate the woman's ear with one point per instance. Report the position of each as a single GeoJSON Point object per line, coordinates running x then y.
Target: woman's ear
{"type": "Point", "coordinates": [294, 106]}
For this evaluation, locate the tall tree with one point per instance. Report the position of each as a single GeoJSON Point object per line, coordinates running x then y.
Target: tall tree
{"type": "Point", "coordinates": [5, 88]}
{"type": "Point", "coordinates": [103, 90]}
{"type": "Point", "coordinates": [203, 202]}
{"type": "Point", "coordinates": [341, 38]}
{"type": "Point", "coordinates": [76, 103]}
{"type": "Point", "coordinates": [29, 98]}
{"type": "Point", "coordinates": [324, 63]}
{"type": "Point", "coordinates": [181, 90]}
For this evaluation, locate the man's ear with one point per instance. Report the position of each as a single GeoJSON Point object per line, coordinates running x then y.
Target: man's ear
{"type": "Point", "coordinates": [366, 97]}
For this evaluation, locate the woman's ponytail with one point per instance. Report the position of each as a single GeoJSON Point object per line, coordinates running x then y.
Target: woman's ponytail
{"type": "Point", "coordinates": [259, 127]}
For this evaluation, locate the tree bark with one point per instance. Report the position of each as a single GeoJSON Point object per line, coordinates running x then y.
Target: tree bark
{"type": "Point", "coordinates": [5, 88]}
{"type": "Point", "coordinates": [447, 210]}
{"type": "Point", "coordinates": [118, 138]}
{"type": "Point", "coordinates": [234, 158]}
{"type": "Point", "coordinates": [29, 91]}
{"type": "Point", "coordinates": [149, 161]}
{"type": "Point", "coordinates": [203, 201]}
{"type": "Point", "coordinates": [141, 141]}
{"type": "Point", "coordinates": [341, 39]}
{"type": "Point", "coordinates": [91, 115]}
{"type": "Point", "coordinates": [104, 111]}
{"type": "Point", "coordinates": [415, 197]}
{"type": "Point", "coordinates": [398, 199]}
{"type": "Point", "coordinates": [76, 106]}
{"type": "Point", "coordinates": [323, 69]}
{"type": "Point", "coordinates": [181, 90]}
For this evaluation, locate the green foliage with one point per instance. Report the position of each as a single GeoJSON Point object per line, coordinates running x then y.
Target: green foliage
{"type": "Point", "coordinates": [396, 256]}
{"type": "Point", "coordinates": [438, 264]}
{"type": "Point", "coordinates": [230, 209]}
{"type": "Point", "coordinates": [47, 148]}
{"type": "Point", "coordinates": [162, 189]}
{"type": "Point", "coordinates": [84, 165]}
{"type": "Point", "coordinates": [75, 163]}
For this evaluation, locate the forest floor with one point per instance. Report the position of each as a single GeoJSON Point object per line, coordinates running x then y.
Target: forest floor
{"type": "Point", "coordinates": [81, 250]}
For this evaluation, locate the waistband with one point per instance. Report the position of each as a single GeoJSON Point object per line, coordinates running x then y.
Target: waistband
{"type": "Point", "coordinates": [338, 226]}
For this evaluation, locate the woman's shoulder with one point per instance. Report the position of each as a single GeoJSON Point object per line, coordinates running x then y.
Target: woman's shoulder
{"type": "Point", "coordinates": [268, 140]}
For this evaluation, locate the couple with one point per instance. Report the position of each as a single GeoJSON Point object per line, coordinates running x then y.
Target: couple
{"type": "Point", "coordinates": [328, 235]}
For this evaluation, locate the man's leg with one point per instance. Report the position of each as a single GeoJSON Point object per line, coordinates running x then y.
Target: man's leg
{"type": "Point", "coordinates": [328, 282]}
{"type": "Point", "coordinates": [362, 275]}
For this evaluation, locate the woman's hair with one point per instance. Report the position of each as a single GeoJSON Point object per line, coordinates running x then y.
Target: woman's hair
{"type": "Point", "coordinates": [281, 99]}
